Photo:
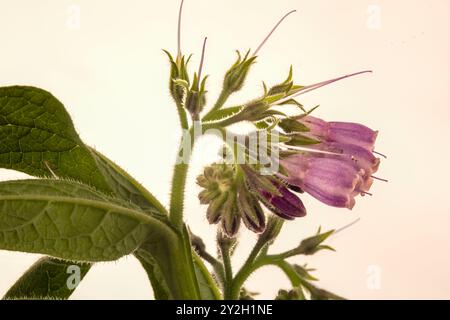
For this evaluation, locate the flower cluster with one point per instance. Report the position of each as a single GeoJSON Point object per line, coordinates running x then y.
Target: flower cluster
{"type": "Point", "coordinates": [338, 168]}
{"type": "Point", "coordinates": [332, 161]}
{"type": "Point", "coordinates": [334, 170]}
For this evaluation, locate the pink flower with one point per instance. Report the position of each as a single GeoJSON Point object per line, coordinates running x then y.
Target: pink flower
{"type": "Point", "coordinates": [343, 132]}
{"type": "Point", "coordinates": [332, 181]}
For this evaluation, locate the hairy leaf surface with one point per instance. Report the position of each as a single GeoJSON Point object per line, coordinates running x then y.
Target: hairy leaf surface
{"type": "Point", "coordinates": [47, 279]}
{"type": "Point", "coordinates": [37, 137]}
{"type": "Point", "coordinates": [69, 220]}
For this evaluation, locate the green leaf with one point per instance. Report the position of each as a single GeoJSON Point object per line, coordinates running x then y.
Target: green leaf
{"type": "Point", "coordinates": [207, 286]}
{"type": "Point", "coordinates": [37, 137]}
{"type": "Point", "coordinates": [71, 221]}
{"type": "Point", "coordinates": [155, 275]}
{"type": "Point", "coordinates": [174, 265]}
{"type": "Point", "coordinates": [46, 279]}
{"type": "Point", "coordinates": [223, 113]}
{"type": "Point", "coordinates": [293, 102]}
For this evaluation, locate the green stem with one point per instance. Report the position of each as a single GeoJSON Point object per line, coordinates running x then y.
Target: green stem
{"type": "Point", "coordinates": [225, 252]}
{"type": "Point", "coordinates": [258, 256]}
{"type": "Point", "coordinates": [245, 272]}
{"type": "Point", "coordinates": [259, 262]}
{"type": "Point", "coordinates": [182, 116]}
{"type": "Point", "coordinates": [179, 182]}
{"type": "Point", "coordinates": [216, 264]}
{"type": "Point", "coordinates": [251, 264]}
{"type": "Point", "coordinates": [223, 97]}
{"type": "Point", "coordinates": [284, 255]}
{"type": "Point", "coordinates": [290, 272]}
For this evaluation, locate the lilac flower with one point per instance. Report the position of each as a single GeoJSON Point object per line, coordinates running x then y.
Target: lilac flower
{"type": "Point", "coordinates": [287, 205]}
{"type": "Point", "coordinates": [343, 132]}
{"type": "Point", "coordinates": [358, 156]}
{"type": "Point", "coordinates": [274, 195]}
{"type": "Point", "coordinates": [332, 181]}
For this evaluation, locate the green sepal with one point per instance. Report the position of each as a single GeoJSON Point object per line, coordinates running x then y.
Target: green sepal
{"type": "Point", "coordinates": [235, 77]}
{"type": "Point", "coordinates": [290, 125]}
{"type": "Point", "coordinates": [311, 245]}
{"type": "Point", "coordinates": [223, 114]}
{"type": "Point", "coordinates": [298, 139]}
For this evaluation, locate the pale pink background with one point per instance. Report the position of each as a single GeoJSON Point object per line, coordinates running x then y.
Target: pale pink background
{"type": "Point", "coordinates": [112, 77]}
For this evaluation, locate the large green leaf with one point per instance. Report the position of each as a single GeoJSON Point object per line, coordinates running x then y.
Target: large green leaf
{"type": "Point", "coordinates": [175, 268]}
{"type": "Point", "coordinates": [155, 275]}
{"type": "Point", "coordinates": [37, 135]}
{"type": "Point", "coordinates": [47, 279]}
{"type": "Point", "coordinates": [71, 221]}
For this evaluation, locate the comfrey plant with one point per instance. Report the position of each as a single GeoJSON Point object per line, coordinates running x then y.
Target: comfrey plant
{"type": "Point", "coordinates": [85, 209]}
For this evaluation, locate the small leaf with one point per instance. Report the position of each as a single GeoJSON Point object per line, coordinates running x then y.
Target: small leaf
{"type": "Point", "coordinates": [294, 102]}
{"type": "Point", "coordinates": [70, 221]}
{"type": "Point", "coordinates": [304, 273]}
{"type": "Point", "coordinates": [223, 113]}
{"type": "Point", "coordinates": [318, 293]}
{"type": "Point", "coordinates": [46, 279]}
{"type": "Point", "coordinates": [208, 289]}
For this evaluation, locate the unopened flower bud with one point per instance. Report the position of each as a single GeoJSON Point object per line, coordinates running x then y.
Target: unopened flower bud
{"type": "Point", "coordinates": [274, 195]}
{"type": "Point", "coordinates": [273, 228]}
{"type": "Point", "coordinates": [321, 294]}
{"type": "Point", "coordinates": [311, 245]}
{"type": "Point", "coordinates": [293, 294]}
{"type": "Point", "coordinates": [178, 76]}
{"type": "Point", "coordinates": [219, 192]}
{"type": "Point", "coordinates": [226, 242]}
{"type": "Point", "coordinates": [235, 76]}
{"type": "Point", "coordinates": [213, 213]}
{"type": "Point", "coordinates": [283, 87]}
{"type": "Point", "coordinates": [247, 295]}
{"type": "Point", "coordinates": [230, 217]}
{"type": "Point", "coordinates": [250, 211]}
{"type": "Point", "coordinates": [196, 97]}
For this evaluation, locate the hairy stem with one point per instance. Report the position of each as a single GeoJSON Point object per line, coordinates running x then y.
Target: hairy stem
{"type": "Point", "coordinates": [258, 256]}
{"type": "Point", "coordinates": [179, 180]}
{"type": "Point", "coordinates": [290, 272]}
{"type": "Point", "coordinates": [225, 253]}
{"type": "Point", "coordinates": [223, 97]}
{"type": "Point", "coordinates": [216, 264]}
{"type": "Point", "coordinates": [182, 115]}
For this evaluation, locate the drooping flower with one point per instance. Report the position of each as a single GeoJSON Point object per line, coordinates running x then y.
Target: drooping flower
{"type": "Point", "coordinates": [332, 181]}
{"type": "Point", "coordinates": [250, 210]}
{"type": "Point", "coordinates": [274, 195]}
{"type": "Point", "coordinates": [338, 167]}
{"type": "Point", "coordinates": [358, 156]}
{"type": "Point", "coordinates": [342, 132]}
